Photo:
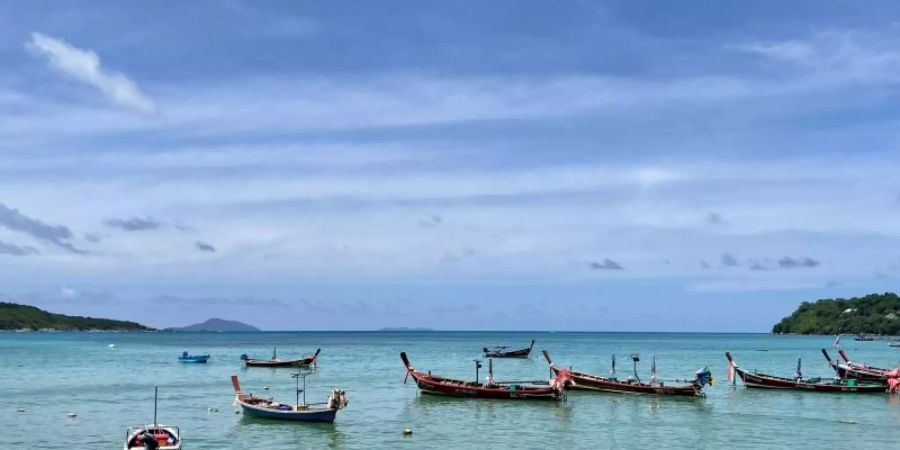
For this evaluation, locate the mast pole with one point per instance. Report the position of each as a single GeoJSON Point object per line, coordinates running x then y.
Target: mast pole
{"type": "Point", "coordinates": [155, 400]}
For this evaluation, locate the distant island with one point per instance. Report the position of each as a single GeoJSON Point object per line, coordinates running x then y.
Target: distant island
{"type": "Point", "coordinates": [218, 325]}
{"type": "Point", "coordinates": [404, 329]}
{"type": "Point", "coordinates": [872, 314]}
{"type": "Point", "coordinates": [15, 317]}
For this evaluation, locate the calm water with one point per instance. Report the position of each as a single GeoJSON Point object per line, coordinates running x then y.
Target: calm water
{"type": "Point", "coordinates": [52, 374]}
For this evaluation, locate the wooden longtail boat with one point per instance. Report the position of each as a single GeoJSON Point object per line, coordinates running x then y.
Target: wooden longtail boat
{"type": "Point", "coordinates": [502, 352]}
{"type": "Point", "coordinates": [298, 412]}
{"type": "Point", "coordinates": [836, 385]}
{"type": "Point", "coordinates": [849, 370]}
{"type": "Point", "coordinates": [155, 435]}
{"type": "Point", "coordinates": [590, 382]}
{"type": "Point", "coordinates": [275, 362]}
{"type": "Point", "coordinates": [527, 390]}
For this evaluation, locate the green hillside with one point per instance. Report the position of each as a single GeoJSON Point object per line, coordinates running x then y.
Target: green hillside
{"type": "Point", "coordinates": [24, 317]}
{"type": "Point", "coordinates": [872, 314]}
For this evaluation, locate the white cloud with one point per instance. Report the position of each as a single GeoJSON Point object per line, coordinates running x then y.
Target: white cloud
{"type": "Point", "coordinates": [837, 57]}
{"type": "Point", "coordinates": [85, 67]}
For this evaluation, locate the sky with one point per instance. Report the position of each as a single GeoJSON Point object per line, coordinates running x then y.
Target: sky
{"type": "Point", "coordinates": [466, 165]}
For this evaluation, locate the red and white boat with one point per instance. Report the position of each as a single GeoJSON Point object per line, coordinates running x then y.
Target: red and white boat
{"type": "Point", "coordinates": [526, 390]}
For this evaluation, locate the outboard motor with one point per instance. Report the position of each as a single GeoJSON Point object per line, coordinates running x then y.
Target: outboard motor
{"type": "Point", "coordinates": [338, 399]}
{"type": "Point", "coordinates": [703, 377]}
{"type": "Point", "coordinates": [244, 357]}
{"type": "Point", "coordinates": [149, 441]}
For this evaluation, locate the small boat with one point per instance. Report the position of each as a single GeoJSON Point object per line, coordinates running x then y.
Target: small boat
{"type": "Point", "coordinates": [863, 338]}
{"type": "Point", "coordinates": [850, 370]}
{"type": "Point", "coordinates": [187, 358]}
{"type": "Point", "coordinates": [764, 381]}
{"type": "Point", "coordinates": [509, 390]}
{"type": "Point", "coordinates": [502, 352]}
{"type": "Point", "coordinates": [153, 436]}
{"type": "Point", "coordinates": [633, 385]}
{"type": "Point", "coordinates": [298, 412]}
{"type": "Point", "coordinates": [275, 362]}
{"type": "Point", "coordinates": [894, 344]}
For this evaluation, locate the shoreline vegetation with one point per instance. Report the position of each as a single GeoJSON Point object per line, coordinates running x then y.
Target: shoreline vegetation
{"type": "Point", "coordinates": [875, 314]}
{"type": "Point", "coordinates": [25, 318]}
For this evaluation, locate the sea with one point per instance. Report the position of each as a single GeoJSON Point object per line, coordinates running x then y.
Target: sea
{"type": "Point", "coordinates": [107, 381]}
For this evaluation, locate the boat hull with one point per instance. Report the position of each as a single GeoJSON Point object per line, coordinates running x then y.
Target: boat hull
{"type": "Point", "coordinates": [587, 382]}
{"type": "Point", "coordinates": [436, 385]}
{"type": "Point", "coordinates": [194, 359]}
{"type": "Point", "coordinates": [500, 392]}
{"type": "Point", "coordinates": [837, 386]}
{"type": "Point", "coordinates": [275, 363]}
{"type": "Point", "coordinates": [498, 353]}
{"type": "Point", "coordinates": [132, 442]}
{"type": "Point", "coordinates": [310, 415]}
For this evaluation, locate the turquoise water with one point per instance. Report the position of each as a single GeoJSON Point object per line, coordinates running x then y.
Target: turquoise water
{"type": "Point", "coordinates": [52, 374]}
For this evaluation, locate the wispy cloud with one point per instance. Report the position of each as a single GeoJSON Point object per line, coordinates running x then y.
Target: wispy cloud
{"type": "Point", "coordinates": [15, 250]}
{"type": "Point", "coordinates": [84, 66]}
{"type": "Point", "coordinates": [133, 224]}
{"type": "Point", "coordinates": [788, 262]}
{"type": "Point", "coordinates": [836, 56]}
{"type": "Point", "coordinates": [434, 221]}
{"type": "Point", "coordinates": [58, 235]}
{"type": "Point", "coordinates": [728, 260]}
{"type": "Point", "coordinates": [716, 219]}
{"type": "Point", "coordinates": [204, 247]}
{"type": "Point", "coordinates": [606, 264]}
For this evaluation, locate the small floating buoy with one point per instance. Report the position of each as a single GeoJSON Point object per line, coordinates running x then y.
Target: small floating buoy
{"type": "Point", "coordinates": [112, 346]}
{"type": "Point", "coordinates": [72, 415]}
{"type": "Point", "coordinates": [211, 409]}
{"type": "Point", "coordinates": [407, 431]}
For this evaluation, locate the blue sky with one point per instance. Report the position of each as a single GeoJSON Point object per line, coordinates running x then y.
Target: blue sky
{"type": "Point", "coordinates": [585, 165]}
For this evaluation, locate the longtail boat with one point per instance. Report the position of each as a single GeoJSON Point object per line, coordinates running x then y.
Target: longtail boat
{"type": "Point", "coordinates": [633, 385]}
{"type": "Point", "coordinates": [275, 362]}
{"type": "Point", "coordinates": [850, 370]}
{"type": "Point", "coordinates": [298, 412]}
{"type": "Point", "coordinates": [836, 385]}
{"type": "Point", "coordinates": [155, 435]}
{"type": "Point", "coordinates": [188, 358]}
{"type": "Point", "coordinates": [525, 390]}
{"type": "Point", "coordinates": [502, 352]}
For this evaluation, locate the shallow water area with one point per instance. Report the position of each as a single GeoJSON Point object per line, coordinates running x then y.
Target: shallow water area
{"type": "Point", "coordinates": [45, 376]}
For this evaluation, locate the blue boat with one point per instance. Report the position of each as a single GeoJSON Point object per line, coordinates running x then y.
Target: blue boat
{"type": "Point", "coordinates": [187, 358]}
{"type": "Point", "coordinates": [298, 412]}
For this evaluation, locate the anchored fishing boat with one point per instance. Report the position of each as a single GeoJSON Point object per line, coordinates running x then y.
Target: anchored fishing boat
{"type": "Point", "coordinates": [275, 362]}
{"type": "Point", "coordinates": [836, 385]}
{"type": "Point", "coordinates": [503, 352]}
{"type": "Point", "coordinates": [153, 436]}
{"type": "Point", "coordinates": [633, 385]}
{"type": "Point", "coordinates": [298, 412]}
{"type": "Point", "coordinates": [850, 370]}
{"type": "Point", "coordinates": [490, 389]}
{"type": "Point", "coordinates": [863, 338]}
{"type": "Point", "coordinates": [188, 358]}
